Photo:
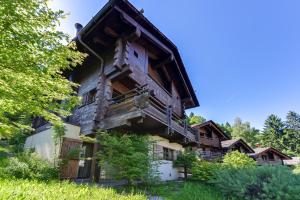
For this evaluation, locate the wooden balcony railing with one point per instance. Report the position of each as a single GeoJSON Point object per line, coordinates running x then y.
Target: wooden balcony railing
{"type": "Point", "coordinates": [143, 98]}
{"type": "Point", "coordinates": [207, 155]}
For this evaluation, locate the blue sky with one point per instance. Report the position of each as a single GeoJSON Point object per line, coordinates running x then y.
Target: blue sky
{"type": "Point", "coordinates": [243, 57]}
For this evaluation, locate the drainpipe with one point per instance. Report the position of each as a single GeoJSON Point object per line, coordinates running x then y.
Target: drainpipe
{"type": "Point", "coordinates": [78, 36]}
{"type": "Point", "coordinates": [79, 27]}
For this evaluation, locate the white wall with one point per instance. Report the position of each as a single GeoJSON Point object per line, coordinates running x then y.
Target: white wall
{"type": "Point", "coordinates": [43, 142]}
{"type": "Point", "coordinates": [165, 167]}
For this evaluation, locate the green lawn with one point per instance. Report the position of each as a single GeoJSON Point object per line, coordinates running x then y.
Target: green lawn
{"type": "Point", "coordinates": [179, 191]}
{"type": "Point", "coordinates": [33, 190]}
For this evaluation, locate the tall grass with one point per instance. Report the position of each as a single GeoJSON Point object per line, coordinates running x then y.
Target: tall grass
{"type": "Point", "coordinates": [196, 191]}
{"type": "Point", "coordinates": [183, 191]}
{"type": "Point", "coordinates": [32, 190]}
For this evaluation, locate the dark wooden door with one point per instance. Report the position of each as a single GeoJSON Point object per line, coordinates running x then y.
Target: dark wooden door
{"type": "Point", "coordinates": [70, 158]}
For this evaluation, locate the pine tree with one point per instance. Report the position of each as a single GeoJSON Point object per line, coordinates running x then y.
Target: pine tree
{"type": "Point", "coordinates": [273, 132]}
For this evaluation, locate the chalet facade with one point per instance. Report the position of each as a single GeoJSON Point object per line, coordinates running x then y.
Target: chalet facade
{"type": "Point", "coordinates": [132, 80]}
{"type": "Point", "coordinates": [236, 145]}
{"type": "Point", "coordinates": [211, 137]}
{"type": "Point", "coordinates": [269, 156]}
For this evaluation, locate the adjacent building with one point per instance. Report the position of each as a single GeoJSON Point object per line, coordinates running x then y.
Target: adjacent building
{"type": "Point", "coordinates": [211, 137]}
{"type": "Point", "coordinates": [269, 156]}
{"type": "Point", "coordinates": [236, 145]}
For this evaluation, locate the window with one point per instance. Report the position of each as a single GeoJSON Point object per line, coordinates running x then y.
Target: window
{"type": "Point", "coordinates": [209, 134]}
{"type": "Point", "coordinates": [135, 54]}
{"type": "Point", "coordinates": [264, 157]}
{"type": "Point", "coordinates": [271, 156]}
{"type": "Point", "coordinates": [168, 154]}
{"type": "Point", "coordinates": [89, 97]}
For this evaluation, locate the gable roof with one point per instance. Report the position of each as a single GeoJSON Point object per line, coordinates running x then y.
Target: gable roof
{"type": "Point", "coordinates": [139, 18]}
{"type": "Point", "coordinates": [261, 150]}
{"type": "Point", "coordinates": [229, 143]}
{"type": "Point", "coordinates": [212, 124]}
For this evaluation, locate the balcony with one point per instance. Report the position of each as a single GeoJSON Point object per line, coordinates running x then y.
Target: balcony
{"type": "Point", "coordinates": [208, 155]}
{"type": "Point", "coordinates": [140, 111]}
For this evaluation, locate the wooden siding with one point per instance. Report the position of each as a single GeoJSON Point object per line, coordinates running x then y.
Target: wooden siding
{"type": "Point", "coordinates": [276, 161]}
{"type": "Point", "coordinates": [214, 141]}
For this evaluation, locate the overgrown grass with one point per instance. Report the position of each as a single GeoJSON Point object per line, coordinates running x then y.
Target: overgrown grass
{"type": "Point", "coordinates": [180, 191]}
{"type": "Point", "coordinates": [192, 191]}
{"type": "Point", "coordinates": [32, 190]}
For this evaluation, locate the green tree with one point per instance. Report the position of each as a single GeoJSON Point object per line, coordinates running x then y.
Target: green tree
{"type": "Point", "coordinates": [293, 120]}
{"type": "Point", "coordinates": [33, 57]}
{"type": "Point", "coordinates": [125, 155]}
{"type": "Point", "coordinates": [186, 160]}
{"type": "Point", "coordinates": [291, 134]}
{"type": "Point", "coordinates": [245, 131]}
{"type": "Point", "coordinates": [226, 128]}
{"type": "Point", "coordinates": [273, 131]}
{"type": "Point", "coordinates": [195, 119]}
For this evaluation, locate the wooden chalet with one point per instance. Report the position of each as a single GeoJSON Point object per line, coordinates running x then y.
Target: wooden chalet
{"type": "Point", "coordinates": [236, 145]}
{"type": "Point", "coordinates": [269, 156]}
{"type": "Point", "coordinates": [211, 137]}
{"type": "Point", "coordinates": [132, 80]}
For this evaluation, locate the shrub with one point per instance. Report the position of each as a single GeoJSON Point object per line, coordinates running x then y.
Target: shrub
{"type": "Point", "coordinates": [265, 182]}
{"type": "Point", "coordinates": [296, 170]}
{"type": "Point", "coordinates": [126, 154]}
{"type": "Point", "coordinates": [186, 160]}
{"type": "Point", "coordinates": [203, 170]}
{"type": "Point", "coordinates": [238, 160]}
{"type": "Point", "coordinates": [29, 166]}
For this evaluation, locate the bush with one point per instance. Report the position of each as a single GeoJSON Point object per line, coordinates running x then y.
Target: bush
{"type": "Point", "coordinates": [185, 160]}
{"type": "Point", "coordinates": [29, 166]}
{"type": "Point", "coordinates": [265, 182]}
{"type": "Point", "coordinates": [204, 170]}
{"type": "Point", "coordinates": [296, 170]}
{"type": "Point", "coordinates": [126, 155]}
{"type": "Point", "coordinates": [238, 160]}
{"type": "Point", "coordinates": [32, 190]}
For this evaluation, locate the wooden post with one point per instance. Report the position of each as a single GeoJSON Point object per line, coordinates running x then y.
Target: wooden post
{"type": "Point", "coordinates": [95, 172]}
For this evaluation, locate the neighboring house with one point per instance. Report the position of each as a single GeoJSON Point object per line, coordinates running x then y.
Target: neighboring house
{"type": "Point", "coordinates": [133, 80]}
{"type": "Point", "coordinates": [236, 145]}
{"type": "Point", "coordinates": [269, 155]}
{"type": "Point", "coordinates": [211, 136]}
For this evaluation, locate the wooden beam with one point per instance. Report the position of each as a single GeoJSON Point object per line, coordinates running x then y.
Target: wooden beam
{"type": "Point", "coordinates": [134, 35]}
{"type": "Point", "coordinates": [109, 31]}
{"type": "Point", "coordinates": [164, 61]}
{"type": "Point", "coordinates": [166, 73]}
{"type": "Point", "coordinates": [100, 41]}
{"type": "Point", "coordinates": [127, 19]}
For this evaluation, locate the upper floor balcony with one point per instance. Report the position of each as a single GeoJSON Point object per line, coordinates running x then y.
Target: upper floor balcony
{"type": "Point", "coordinates": [139, 110]}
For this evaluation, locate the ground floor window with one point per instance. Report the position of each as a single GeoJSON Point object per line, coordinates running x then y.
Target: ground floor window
{"type": "Point", "coordinates": [168, 154]}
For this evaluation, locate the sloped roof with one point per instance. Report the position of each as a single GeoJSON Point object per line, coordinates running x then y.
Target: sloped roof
{"type": "Point", "coordinates": [229, 143]}
{"type": "Point", "coordinates": [214, 125]}
{"type": "Point", "coordinates": [261, 150]}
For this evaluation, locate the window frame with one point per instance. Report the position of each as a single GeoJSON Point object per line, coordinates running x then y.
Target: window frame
{"type": "Point", "coordinates": [168, 154]}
